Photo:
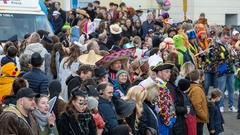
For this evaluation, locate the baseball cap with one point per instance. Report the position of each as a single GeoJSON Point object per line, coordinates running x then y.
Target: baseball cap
{"type": "Point", "coordinates": [26, 92]}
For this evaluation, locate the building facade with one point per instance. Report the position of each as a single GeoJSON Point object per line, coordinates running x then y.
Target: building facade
{"type": "Point", "coordinates": [217, 11]}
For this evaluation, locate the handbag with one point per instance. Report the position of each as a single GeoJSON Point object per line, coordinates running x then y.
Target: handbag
{"type": "Point", "coordinates": [191, 124]}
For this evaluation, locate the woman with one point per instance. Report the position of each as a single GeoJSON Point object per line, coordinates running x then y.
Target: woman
{"type": "Point", "coordinates": [76, 120]}
{"type": "Point", "coordinates": [46, 120]}
{"type": "Point", "coordinates": [149, 120]}
{"type": "Point", "coordinates": [138, 94]}
{"type": "Point", "coordinates": [123, 80]}
{"type": "Point", "coordinates": [185, 69]}
{"type": "Point", "coordinates": [137, 30]}
{"type": "Point", "coordinates": [128, 29]}
{"type": "Point", "coordinates": [68, 65]}
{"type": "Point", "coordinates": [35, 46]}
{"type": "Point", "coordinates": [57, 55]}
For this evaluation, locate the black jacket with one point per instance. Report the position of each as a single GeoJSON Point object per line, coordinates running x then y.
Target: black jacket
{"type": "Point", "coordinates": [149, 118]}
{"type": "Point", "coordinates": [70, 126]}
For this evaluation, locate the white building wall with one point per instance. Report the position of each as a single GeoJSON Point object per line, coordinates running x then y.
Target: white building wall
{"type": "Point", "coordinates": [215, 10]}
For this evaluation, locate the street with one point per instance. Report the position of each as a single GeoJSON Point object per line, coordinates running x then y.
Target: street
{"type": "Point", "coordinates": [232, 124]}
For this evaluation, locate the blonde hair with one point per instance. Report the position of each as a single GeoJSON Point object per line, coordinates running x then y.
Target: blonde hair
{"type": "Point", "coordinates": [138, 94]}
{"type": "Point", "coordinates": [34, 38]}
{"type": "Point", "coordinates": [186, 68]}
{"type": "Point", "coordinates": [152, 90]}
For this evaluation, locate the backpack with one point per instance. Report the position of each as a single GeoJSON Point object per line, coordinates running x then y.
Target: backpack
{"type": "Point", "coordinates": [186, 56]}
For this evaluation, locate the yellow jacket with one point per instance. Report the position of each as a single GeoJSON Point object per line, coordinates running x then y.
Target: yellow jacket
{"type": "Point", "coordinates": [5, 86]}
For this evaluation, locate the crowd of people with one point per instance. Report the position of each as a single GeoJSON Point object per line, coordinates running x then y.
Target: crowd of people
{"type": "Point", "coordinates": [106, 71]}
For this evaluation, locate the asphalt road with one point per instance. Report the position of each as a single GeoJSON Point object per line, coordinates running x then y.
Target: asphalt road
{"type": "Point", "coordinates": [232, 124]}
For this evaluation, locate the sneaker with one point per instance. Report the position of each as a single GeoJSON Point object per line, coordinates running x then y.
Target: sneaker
{"type": "Point", "coordinates": [238, 116]}
{"type": "Point", "coordinates": [221, 109]}
{"type": "Point", "coordinates": [232, 109]}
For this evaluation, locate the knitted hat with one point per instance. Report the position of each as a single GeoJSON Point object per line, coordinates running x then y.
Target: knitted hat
{"type": "Point", "coordinates": [183, 84]}
{"type": "Point", "coordinates": [92, 103]}
{"type": "Point", "coordinates": [120, 72]}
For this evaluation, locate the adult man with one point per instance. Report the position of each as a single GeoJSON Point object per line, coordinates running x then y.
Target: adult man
{"type": "Point", "coordinates": [19, 119]}
{"type": "Point", "coordinates": [83, 73]}
{"type": "Point", "coordinates": [106, 106]}
{"type": "Point", "coordinates": [165, 105]}
{"type": "Point", "coordinates": [148, 24]}
{"type": "Point", "coordinates": [36, 78]}
{"type": "Point", "coordinates": [62, 12]}
{"type": "Point", "coordinates": [107, 109]}
{"type": "Point", "coordinates": [221, 64]}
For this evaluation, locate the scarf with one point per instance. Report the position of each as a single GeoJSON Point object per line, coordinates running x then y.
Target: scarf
{"type": "Point", "coordinates": [165, 105]}
{"type": "Point", "coordinates": [42, 118]}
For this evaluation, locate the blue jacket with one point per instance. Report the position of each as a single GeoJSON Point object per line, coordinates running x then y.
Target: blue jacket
{"type": "Point", "coordinates": [107, 110]}
{"type": "Point", "coordinates": [57, 24]}
{"type": "Point", "coordinates": [37, 80]}
{"type": "Point", "coordinates": [145, 27]}
{"type": "Point", "coordinates": [216, 120]}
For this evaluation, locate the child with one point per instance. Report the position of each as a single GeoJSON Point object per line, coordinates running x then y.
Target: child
{"type": "Point", "coordinates": [216, 121]}
{"type": "Point", "coordinates": [198, 99]}
{"type": "Point", "coordinates": [93, 107]}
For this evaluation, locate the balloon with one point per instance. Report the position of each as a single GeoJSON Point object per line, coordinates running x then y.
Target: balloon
{"type": "Point", "coordinates": [161, 1]}
{"type": "Point", "coordinates": [166, 6]}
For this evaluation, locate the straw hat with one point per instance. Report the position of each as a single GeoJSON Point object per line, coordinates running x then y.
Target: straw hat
{"type": "Point", "coordinates": [122, 55]}
{"type": "Point", "coordinates": [91, 58]}
{"type": "Point", "coordinates": [83, 12]}
{"type": "Point", "coordinates": [115, 29]}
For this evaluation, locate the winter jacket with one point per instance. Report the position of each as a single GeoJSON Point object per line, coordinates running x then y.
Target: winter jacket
{"type": "Point", "coordinates": [216, 120]}
{"type": "Point", "coordinates": [12, 122]}
{"type": "Point", "coordinates": [57, 24]}
{"type": "Point", "coordinates": [179, 128]}
{"type": "Point", "coordinates": [5, 86]}
{"type": "Point", "coordinates": [108, 112]}
{"type": "Point", "coordinates": [37, 80]}
{"type": "Point", "coordinates": [149, 118]}
{"type": "Point", "coordinates": [38, 47]}
{"type": "Point", "coordinates": [199, 102]}
{"type": "Point", "coordinates": [68, 125]}
{"type": "Point", "coordinates": [64, 73]}
{"type": "Point", "coordinates": [145, 27]}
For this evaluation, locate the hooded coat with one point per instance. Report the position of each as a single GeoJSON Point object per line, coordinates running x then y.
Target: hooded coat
{"type": "Point", "coordinates": [38, 47]}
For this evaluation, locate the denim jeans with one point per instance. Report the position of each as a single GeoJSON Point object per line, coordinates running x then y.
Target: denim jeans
{"type": "Point", "coordinates": [209, 80]}
{"type": "Point", "coordinates": [226, 82]}
{"type": "Point", "coordinates": [239, 102]}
